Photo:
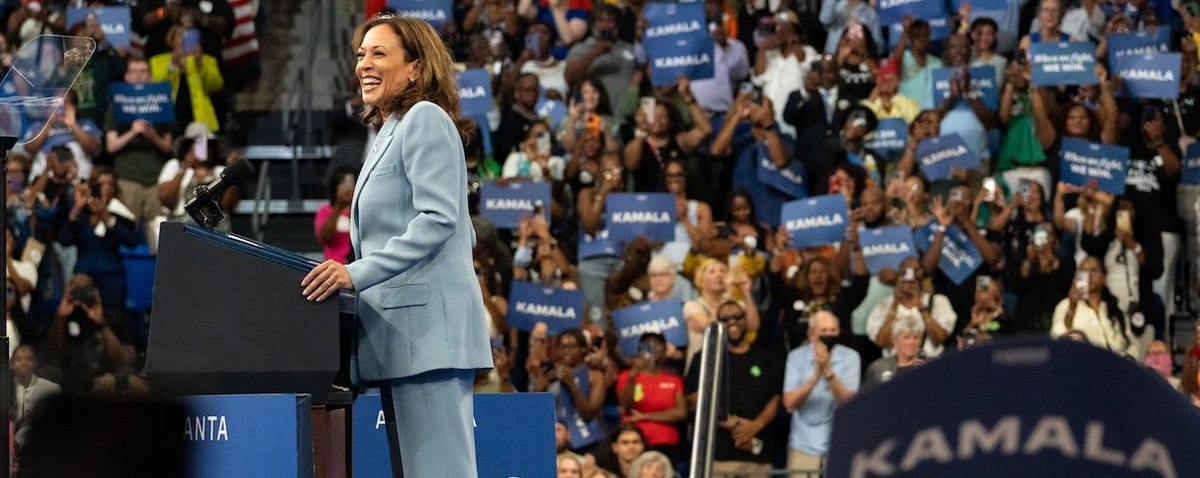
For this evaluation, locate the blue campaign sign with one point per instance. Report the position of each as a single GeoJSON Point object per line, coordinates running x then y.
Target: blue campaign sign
{"type": "Point", "coordinates": [1137, 43]}
{"type": "Point", "coordinates": [981, 86]}
{"type": "Point", "coordinates": [148, 101]}
{"type": "Point", "coordinates": [1084, 161]}
{"type": "Point", "coordinates": [677, 42]}
{"type": "Point", "coordinates": [959, 259]}
{"type": "Point", "coordinates": [506, 204]}
{"type": "Point", "coordinates": [598, 245]}
{"type": "Point", "coordinates": [514, 436]}
{"type": "Point", "coordinates": [553, 110]}
{"type": "Point", "coordinates": [1142, 427]}
{"type": "Point", "coordinates": [1150, 76]}
{"type": "Point", "coordinates": [436, 12]}
{"type": "Point", "coordinates": [475, 91]}
{"type": "Point", "coordinates": [1191, 165]}
{"type": "Point", "coordinates": [664, 316]}
{"type": "Point", "coordinates": [630, 215]}
{"type": "Point", "coordinates": [248, 435]}
{"type": "Point", "coordinates": [816, 221]}
{"type": "Point", "coordinates": [529, 303]}
{"type": "Point", "coordinates": [890, 137]}
{"type": "Point", "coordinates": [1063, 63]}
{"type": "Point", "coordinates": [789, 180]}
{"type": "Point", "coordinates": [114, 21]}
{"type": "Point", "coordinates": [885, 247]}
{"type": "Point", "coordinates": [892, 12]}
{"type": "Point", "coordinates": [937, 155]}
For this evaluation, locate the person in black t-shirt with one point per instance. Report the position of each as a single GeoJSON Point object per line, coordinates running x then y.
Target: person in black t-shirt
{"type": "Point", "coordinates": [742, 442]}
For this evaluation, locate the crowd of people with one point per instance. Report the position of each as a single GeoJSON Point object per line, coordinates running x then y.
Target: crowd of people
{"type": "Point", "coordinates": [801, 87]}
{"type": "Point", "coordinates": [88, 190]}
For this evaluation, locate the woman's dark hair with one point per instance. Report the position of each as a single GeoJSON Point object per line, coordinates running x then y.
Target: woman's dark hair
{"type": "Point", "coordinates": [736, 193]}
{"type": "Point", "coordinates": [1115, 315]}
{"type": "Point", "coordinates": [857, 174]}
{"type": "Point", "coordinates": [800, 282]}
{"type": "Point", "coordinates": [604, 107]}
{"type": "Point", "coordinates": [578, 334]}
{"type": "Point", "coordinates": [101, 170]}
{"type": "Point", "coordinates": [669, 163]}
{"type": "Point", "coordinates": [674, 116]}
{"type": "Point", "coordinates": [605, 457]}
{"type": "Point", "coordinates": [985, 22]}
{"type": "Point", "coordinates": [337, 176]}
{"type": "Point", "coordinates": [869, 39]}
{"type": "Point", "coordinates": [1094, 126]}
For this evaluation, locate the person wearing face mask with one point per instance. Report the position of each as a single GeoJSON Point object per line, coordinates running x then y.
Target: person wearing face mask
{"type": "Point", "coordinates": [905, 353]}
{"type": "Point", "coordinates": [1158, 358]}
{"type": "Point", "coordinates": [911, 301]}
{"type": "Point", "coordinates": [743, 441]}
{"type": "Point", "coordinates": [818, 377]}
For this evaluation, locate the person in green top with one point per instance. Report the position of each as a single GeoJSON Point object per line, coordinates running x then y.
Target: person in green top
{"type": "Point", "coordinates": [139, 150]}
{"type": "Point", "coordinates": [1021, 154]}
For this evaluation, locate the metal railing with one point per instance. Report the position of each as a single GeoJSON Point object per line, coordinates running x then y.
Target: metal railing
{"type": "Point", "coordinates": [712, 398]}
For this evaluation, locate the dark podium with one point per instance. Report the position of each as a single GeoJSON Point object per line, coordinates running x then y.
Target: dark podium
{"type": "Point", "coordinates": [229, 318]}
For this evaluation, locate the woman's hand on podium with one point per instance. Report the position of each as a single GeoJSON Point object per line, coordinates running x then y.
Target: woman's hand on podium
{"type": "Point", "coordinates": [325, 280]}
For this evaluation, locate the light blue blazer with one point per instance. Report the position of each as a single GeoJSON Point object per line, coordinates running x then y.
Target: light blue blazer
{"type": "Point", "coordinates": [419, 304]}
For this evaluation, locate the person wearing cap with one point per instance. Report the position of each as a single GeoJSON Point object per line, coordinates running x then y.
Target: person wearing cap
{"type": "Point", "coordinates": [886, 101]}
{"type": "Point", "coordinates": [782, 63]}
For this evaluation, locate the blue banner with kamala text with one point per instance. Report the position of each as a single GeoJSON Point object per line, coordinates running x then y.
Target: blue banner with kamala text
{"type": "Point", "coordinates": [1137, 43]}
{"type": "Point", "coordinates": [506, 204]}
{"type": "Point", "coordinates": [475, 92]}
{"type": "Point", "coordinates": [677, 42]}
{"type": "Point", "coordinates": [1063, 63]}
{"type": "Point", "coordinates": [529, 303]}
{"type": "Point", "coordinates": [816, 221]}
{"type": "Point", "coordinates": [629, 215]}
{"type": "Point", "coordinates": [937, 155]}
{"type": "Point", "coordinates": [147, 101]}
{"type": "Point", "coordinates": [114, 21]}
{"type": "Point", "coordinates": [436, 12]}
{"type": "Point", "coordinates": [664, 316]}
{"type": "Point", "coordinates": [1084, 162]}
{"type": "Point", "coordinates": [885, 247]}
{"type": "Point", "coordinates": [789, 180]}
{"type": "Point", "coordinates": [1154, 76]}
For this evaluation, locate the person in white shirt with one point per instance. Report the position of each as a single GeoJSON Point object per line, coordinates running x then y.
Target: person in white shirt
{"type": "Point", "coordinates": [30, 389]}
{"type": "Point", "coordinates": [909, 301]}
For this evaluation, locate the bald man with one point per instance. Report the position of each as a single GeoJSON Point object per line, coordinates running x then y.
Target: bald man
{"type": "Point", "coordinates": [819, 376]}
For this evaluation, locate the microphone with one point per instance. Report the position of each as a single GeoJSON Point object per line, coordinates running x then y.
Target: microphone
{"type": "Point", "coordinates": [203, 206]}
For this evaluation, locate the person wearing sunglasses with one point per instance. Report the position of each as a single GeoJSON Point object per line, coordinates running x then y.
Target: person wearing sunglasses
{"type": "Point", "coordinates": [742, 442]}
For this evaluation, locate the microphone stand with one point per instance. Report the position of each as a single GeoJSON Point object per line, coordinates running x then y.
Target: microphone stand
{"type": "Point", "coordinates": [203, 208]}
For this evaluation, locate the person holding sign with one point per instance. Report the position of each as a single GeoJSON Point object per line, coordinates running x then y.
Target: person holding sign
{"type": "Point", "coordinates": [578, 389]}
{"type": "Point", "coordinates": [412, 238]}
{"type": "Point", "coordinates": [1049, 14]}
{"type": "Point", "coordinates": [139, 150]}
{"type": "Point", "coordinates": [911, 301]}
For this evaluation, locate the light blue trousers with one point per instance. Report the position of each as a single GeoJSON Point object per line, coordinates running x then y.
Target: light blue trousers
{"type": "Point", "coordinates": [430, 423]}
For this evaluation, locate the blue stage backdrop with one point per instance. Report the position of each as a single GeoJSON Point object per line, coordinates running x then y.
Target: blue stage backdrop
{"type": "Point", "coordinates": [1016, 409]}
{"type": "Point", "coordinates": [514, 436]}
{"type": "Point", "coordinates": [248, 435]}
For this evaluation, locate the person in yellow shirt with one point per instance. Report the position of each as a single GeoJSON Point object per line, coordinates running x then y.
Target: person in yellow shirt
{"type": "Point", "coordinates": [193, 97]}
{"type": "Point", "coordinates": [886, 101]}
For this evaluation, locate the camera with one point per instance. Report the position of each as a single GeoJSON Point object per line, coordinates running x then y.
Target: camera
{"type": "Point", "coordinates": [608, 35]}
{"type": "Point", "coordinates": [85, 294]}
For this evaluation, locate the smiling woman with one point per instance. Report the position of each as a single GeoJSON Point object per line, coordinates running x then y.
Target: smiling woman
{"type": "Point", "coordinates": [412, 235]}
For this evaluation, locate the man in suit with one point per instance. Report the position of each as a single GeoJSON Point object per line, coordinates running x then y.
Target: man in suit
{"type": "Point", "coordinates": [817, 113]}
{"type": "Point", "coordinates": [421, 332]}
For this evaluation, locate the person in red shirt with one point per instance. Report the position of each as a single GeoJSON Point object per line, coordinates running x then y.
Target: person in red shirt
{"type": "Point", "coordinates": [655, 400]}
